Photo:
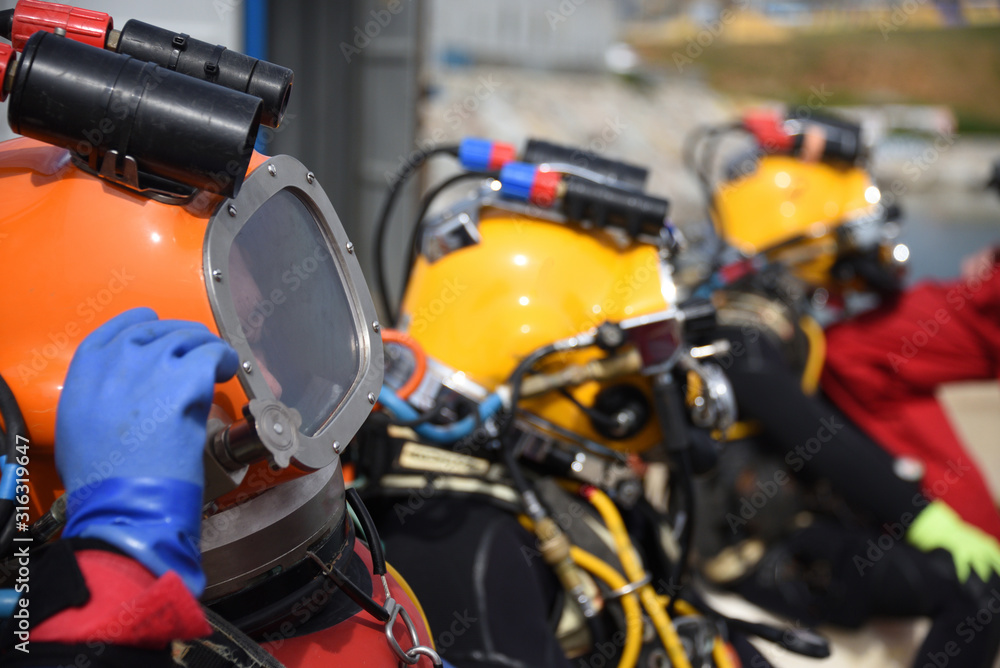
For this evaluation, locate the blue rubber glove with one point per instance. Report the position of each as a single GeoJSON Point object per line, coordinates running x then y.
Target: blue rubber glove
{"type": "Point", "coordinates": [130, 430]}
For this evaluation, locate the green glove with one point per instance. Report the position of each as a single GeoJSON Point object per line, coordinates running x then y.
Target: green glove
{"type": "Point", "coordinates": [938, 526]}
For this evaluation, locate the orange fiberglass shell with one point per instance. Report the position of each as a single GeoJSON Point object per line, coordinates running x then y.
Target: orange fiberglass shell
{"type": "Point", "coordinates": [482, 309]}
{"type": "Point", "coordinates": [74, 252]}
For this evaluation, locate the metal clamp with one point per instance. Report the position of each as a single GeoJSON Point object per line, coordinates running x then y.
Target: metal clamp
{"type": "Point", "coordinates": [630, 588]}
{"type": "Point", "coordinates": [411, 656]}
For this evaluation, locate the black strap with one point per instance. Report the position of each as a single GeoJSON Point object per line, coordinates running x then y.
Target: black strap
{"type": "Point", "coordinates": [227, 646]}
{"type": "Point", "coordinates": [94, 655]}
{"type": "Point", "coordinates": [56, 581]}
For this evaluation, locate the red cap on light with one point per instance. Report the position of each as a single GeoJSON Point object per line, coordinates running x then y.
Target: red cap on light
{"type": "Point", "coordinates": [7, 55]}
{"type": "Point", "coordinates": [81, 25]}
{"type": "Point", "coordinates": [545, 188]}
{"type": "Point", "coordinates": [769, 129]}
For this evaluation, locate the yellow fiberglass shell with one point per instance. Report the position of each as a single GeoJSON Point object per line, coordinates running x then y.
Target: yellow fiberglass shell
{"type": "Point", "coordinates": [786, 198]}
{"type": "Point", "coordinates": [528, 283]}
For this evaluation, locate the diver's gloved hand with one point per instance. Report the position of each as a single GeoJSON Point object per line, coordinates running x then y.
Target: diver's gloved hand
{"type": "Point", "coordinates": [130, 430]}
{"type": "Point", "coordinates": [972, 549]}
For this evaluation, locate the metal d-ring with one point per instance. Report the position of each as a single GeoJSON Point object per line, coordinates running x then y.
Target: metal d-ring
{"type": "Point", "coordinates": [630, 588]}
{"type": "Point", "coordinates": [395, 611]}
{"type": "Point", "coordinates": [422, 650]}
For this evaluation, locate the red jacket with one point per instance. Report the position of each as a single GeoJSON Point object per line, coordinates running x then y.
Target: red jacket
{"type": "Point", "coordinates": [882, 370]}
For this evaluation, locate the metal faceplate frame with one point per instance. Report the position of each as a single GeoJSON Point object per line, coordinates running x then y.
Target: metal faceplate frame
{"type": "Point", "coordinates": [286, 173]}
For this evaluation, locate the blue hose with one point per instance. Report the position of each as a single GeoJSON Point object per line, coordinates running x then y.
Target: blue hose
{"type": "Point", "coordinates": [8, 601]}
{"type": "Point", "coordinates": [8, 479]}
{"type": "Point", "coordinates": [436, 433]}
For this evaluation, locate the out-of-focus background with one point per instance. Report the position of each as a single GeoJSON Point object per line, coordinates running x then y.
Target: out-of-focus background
{"type": "Point", "coordinates": [628, 78]}
{"type": "Point", "coordinates": [375, 79]}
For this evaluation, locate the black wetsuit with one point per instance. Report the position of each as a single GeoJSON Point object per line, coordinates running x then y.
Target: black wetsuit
{"type": "Point", "coordinates": [853, 572]}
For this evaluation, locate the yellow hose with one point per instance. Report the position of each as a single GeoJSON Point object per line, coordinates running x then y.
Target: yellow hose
{"type": "Point", "coordinates": [614, 580]}
{"type": "Point", "coordinates": [721, 655]}
{"type": "Point", "coordinates": [817, 354]}
{"type": "Point", "coordinates": [719, 652]}
{"type": "Point", "coordinates": [630, 605]}
{"type": "Point", "coordinates": [634, 572]}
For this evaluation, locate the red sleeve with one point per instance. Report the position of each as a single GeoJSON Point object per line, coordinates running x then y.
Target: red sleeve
{"type": "Point", "coordinates": [128, 606]}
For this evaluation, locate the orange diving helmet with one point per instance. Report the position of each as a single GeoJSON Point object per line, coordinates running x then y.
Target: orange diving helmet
{"type": "Point", "coordinates": [147, 192]}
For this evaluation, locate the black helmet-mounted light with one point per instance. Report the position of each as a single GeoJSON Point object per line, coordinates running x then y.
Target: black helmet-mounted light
{"type": "Point", "coordinates": [147, 108]}
{"type": "Point", "coordinates": [131, 121]}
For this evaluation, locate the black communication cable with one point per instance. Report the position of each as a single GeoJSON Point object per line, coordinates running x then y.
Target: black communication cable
{"type": "Point", "coordinates": [687, 534]}
{"type": "Point", "coordinates": [425, 205]}
{"type": "Point", "coordinates": [510, 458]}
{"type": "Point", "coordinates": [429, 415]}
{"type": "Point", "coordinates": [13, 420]}
{"type": "Point", "coordinates": [371, 533]}
{"type": "Point", "coordinates": [594, 415]}
{"type": "Point", "coordinates": [382, 222]}
{"type": "Point", "coordinates": [14, 427]}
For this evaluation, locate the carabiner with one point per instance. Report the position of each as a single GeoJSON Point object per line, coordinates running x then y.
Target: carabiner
{"type": "Point", "coordinates": [395, 611]}
{"type": "Point", "coordinates": [412, 655]}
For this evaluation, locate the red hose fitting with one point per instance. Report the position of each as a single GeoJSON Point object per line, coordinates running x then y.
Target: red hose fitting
{"type": "Point", "coordinates": [545, 189]}
{"type": "Point", "coordinates": [7, 55]}
{"type": "Point", "coordinates": [768, 127]}
{"type": "Point", "coordinates": [81, 25]}
{"type": "Point", "coordinates": [501, 154]}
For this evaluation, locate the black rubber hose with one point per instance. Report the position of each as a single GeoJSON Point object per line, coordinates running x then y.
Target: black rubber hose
{"type": "Point", "coordinates": [432, 413]}
{"type": "Point", "coordinates": [7, 534]}
{"type": "Point", "coordinates": [802, 641]}
{"type": "Point", "coordinates": [7, 24]}
{"type": "Point", "coordinates": [687, 534]}
{"type": "Point", "coordinates": [13, 420]}
{"type": "Point", "coordinates": [510, 458]}
{"type": "Point", "coordinates": [355, 593]}
{"type": "Point", "coordinates": [594, 415]}
{"type": "Point", "coordinates": [371, 533]}
{"type": "Point", "coordinates": [382, 222]}
{"type": "Point", "coordinates": [425, 205]}
{"type": "Point", "coordinates": [13, 426]}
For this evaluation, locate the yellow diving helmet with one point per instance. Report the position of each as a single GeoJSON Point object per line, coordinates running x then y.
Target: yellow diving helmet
{"type": "Point", "coordinates": [805, 199]}
{"type": "Point", "coordinates": [511, 271]}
